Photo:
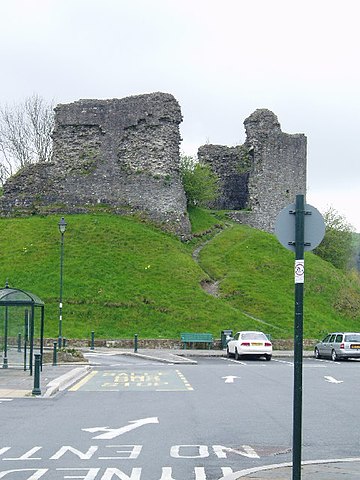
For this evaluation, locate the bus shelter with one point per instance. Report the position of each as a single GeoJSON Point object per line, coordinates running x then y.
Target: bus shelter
{"type": "Point", "coordinates": [21, 327]}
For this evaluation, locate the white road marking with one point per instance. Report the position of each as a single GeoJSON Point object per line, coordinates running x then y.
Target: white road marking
{"type": "Point", "coordinates": [328, 361]}
{"type": "Point", "coordinates": [232, 360]}
{"type": "Point", "coordinates": [332, 379]}
{"type": "Point", "coordinates": [283, 361]}
{"type": "Point", "coordinates": [111, 433]}
{"type": "Point", "coordinates": [305, 365]}
{"type": "Point", "coordinates": [6, 400]}
{"type": "Point", "coordinates": [230, 378]}
{"type": "Point", "coordinates": [314, 366]}
{"type": "Point", "coordinates": [248, 471]}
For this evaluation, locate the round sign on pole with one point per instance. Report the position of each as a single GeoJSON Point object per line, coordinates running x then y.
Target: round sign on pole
{"type": "Point", "coordinates": [314, 227]}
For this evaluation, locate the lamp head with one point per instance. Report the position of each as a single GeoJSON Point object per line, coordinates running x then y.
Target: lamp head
{"type": "Point", "coordinates": [62, 225]}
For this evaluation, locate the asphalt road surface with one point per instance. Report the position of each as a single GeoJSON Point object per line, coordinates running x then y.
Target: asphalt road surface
{"type": "Point", "coordinates": [133, 419]}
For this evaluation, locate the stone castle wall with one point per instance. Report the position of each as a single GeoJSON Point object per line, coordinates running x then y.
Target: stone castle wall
{"type": "Point", "coordinates": [263, 175]}
{"type": "Point", "coordinates": [123, 154]}
{"type": "Point", "coordinates": [232, 166]}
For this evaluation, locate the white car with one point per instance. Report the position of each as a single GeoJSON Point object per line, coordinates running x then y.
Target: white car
{"type": "Point", "coordinates": [249, 343]}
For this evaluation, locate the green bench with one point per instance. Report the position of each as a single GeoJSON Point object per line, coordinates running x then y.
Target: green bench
{"type": "Point", "coordinates": [192, 338]}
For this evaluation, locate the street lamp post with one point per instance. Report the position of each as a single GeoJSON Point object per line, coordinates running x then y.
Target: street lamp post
{"type": "Point", "coordinates": [62, 227]}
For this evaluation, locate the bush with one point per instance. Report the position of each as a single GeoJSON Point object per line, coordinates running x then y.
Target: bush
{"type": "Point", "coordinates": [337, 245]}
{"type": "Point", "coordinates": [201, 185]}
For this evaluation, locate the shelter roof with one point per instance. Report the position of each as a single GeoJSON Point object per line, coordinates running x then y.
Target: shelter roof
{"type": "Point", "coordinates": [15, 296]}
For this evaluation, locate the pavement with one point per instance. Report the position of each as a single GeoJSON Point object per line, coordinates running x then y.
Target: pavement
{"type": "Point", "coordinates": [15, 383]}
{"type": "Point", "coordinates": [330, 469]}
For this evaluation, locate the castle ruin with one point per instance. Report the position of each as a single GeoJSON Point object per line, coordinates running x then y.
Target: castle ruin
{"type": "Point", "coordinates": [262, 176]}
{"type": "Point", "coordinates": [123, 154]}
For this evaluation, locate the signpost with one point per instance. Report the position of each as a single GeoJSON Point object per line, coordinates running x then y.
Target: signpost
{"type": "Point", "coordinates": [299, 227]}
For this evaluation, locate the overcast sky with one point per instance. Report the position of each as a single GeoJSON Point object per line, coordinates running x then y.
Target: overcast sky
{"type": "Point", "coordinates": [220, 59]}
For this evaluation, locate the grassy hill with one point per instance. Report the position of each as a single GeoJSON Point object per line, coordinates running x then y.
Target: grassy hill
{"type": "Point", "coordinates": [122, 277]}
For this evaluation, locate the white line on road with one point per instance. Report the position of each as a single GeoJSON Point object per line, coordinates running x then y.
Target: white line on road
{"type": "Point", "coordinates": [328, 361]}
{"type": "Point", "coordinates": [232, 360]}
{"type": "Point", "coordinates": [305, 365]}
{"type": "Point", "coordinates": [332, 379]}
{"type": "Point", "coordinates": [283, 361]}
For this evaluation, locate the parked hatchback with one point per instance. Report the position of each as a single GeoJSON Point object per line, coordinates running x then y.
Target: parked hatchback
{"type": "Point", "coordinates": [251, 344]}
{"type": "Point", "coordinates": [340, 345]}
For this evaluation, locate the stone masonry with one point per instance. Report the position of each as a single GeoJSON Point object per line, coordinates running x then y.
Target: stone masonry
{"type": "Point", "coordinates": [258, 179]}
{"type": "Point", "coordinates": [121, 153]}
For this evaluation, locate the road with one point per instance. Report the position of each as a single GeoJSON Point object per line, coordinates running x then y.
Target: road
{"type": "Point", "coordinates": [133, 419]}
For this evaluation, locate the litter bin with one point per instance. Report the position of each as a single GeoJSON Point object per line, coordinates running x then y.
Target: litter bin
{"type": "Point", "coordinates": [225, 334]}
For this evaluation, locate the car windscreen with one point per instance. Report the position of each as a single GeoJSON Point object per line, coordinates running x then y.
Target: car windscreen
{"type": "Point", "coordinates": [353, 337]}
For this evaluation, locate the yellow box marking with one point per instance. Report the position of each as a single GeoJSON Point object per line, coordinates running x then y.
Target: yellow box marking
{"type": "Point", "coordinates": [164, 381]}
{"type": "Point", "coordinates": [184, 380]}
{"type": "Point", "coordinates": [83, 381]}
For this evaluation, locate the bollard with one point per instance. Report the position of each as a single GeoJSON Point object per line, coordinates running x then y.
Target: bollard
{"type": "Point", "coordinates": [135, 343]}
{"type": "Point", "coordinates": [55, 354]}
{"type": "Point", "coordinates": [19, 342]}
{"type": "Point", "coordinates": [92, 344]}
{"type": "Point", "coordinates": [36, 390]}
{"type": "Point", "coordinates": [64, 342]}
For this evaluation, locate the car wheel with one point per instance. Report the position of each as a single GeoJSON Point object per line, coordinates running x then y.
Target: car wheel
{"type": "Point", "coordinates": [316, 353]}
{"type": "Point", "coordinates": [334, 356]}
{"type": "Point", "coordinates": [237, 356]}
{"type": "Point", "coordinates": [228, 353]}
{"type": "Point", "coordinates": [268, 358]}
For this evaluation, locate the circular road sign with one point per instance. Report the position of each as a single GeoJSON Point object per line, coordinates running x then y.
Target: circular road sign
{"type": "Point", "coordinates": [314, 227]}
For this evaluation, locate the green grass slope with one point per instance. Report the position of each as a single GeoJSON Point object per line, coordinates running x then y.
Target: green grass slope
{"type": "Point", "coordinates": [123, 277]}
{"type": "Point", "coordinates": [256, 276]}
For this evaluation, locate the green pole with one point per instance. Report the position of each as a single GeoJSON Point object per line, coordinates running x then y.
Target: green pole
{"type": "Point", "coordinates": [42, 336]}
{"type": "Point", "coordinates": [62, 227]}
{"type": "Point", "coordinates": [37, 390]}
{"type": "Point", "coordinates": [61, 289]}
{"type": "Point", "coordinates": [5, 359]}
{"type": "Point", "coordinates": [26, 336]}
{"type": "Point", "coordinates": [31, 341]}
{"type": "Point", "coordinates": [298, 335]}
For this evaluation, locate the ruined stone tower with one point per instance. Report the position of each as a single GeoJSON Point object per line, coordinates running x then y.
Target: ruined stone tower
{"type": "Point", "coordinates": [263, 175]}
{"type": "Point", "coordinates": [121, 153]}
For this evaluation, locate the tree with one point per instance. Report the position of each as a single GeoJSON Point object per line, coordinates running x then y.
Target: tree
{"type": "Point", "coordinates": [201, 185]}
{"type": "Point", "coordinates": [25, 134]}
{"type": "Point", "coordinates": [337, 245]}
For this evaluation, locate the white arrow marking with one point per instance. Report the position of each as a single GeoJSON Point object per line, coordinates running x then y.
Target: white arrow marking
{"type": "Point", "coordinates": [230, 378]}
{"type": "Point", "coordinates": [115, 432]}
{"type": "Point", "coordinates": [332, 380]}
